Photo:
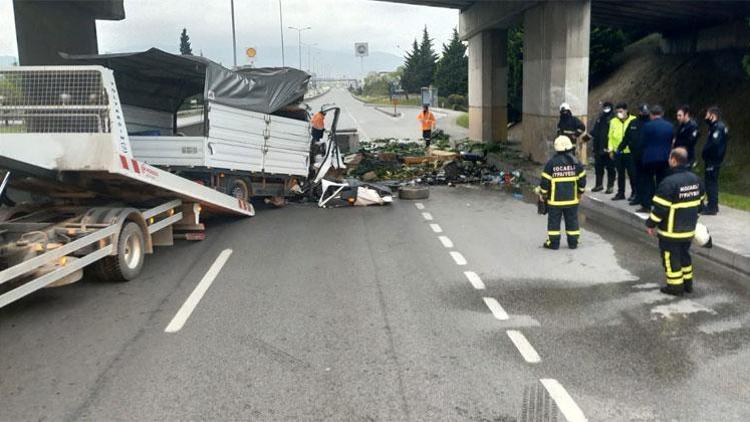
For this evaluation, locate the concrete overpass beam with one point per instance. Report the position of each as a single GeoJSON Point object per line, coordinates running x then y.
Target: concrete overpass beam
{"type": "Point", "coordinates": [488, 85]}
{"type": "Point", "coordinates": [555, 69]}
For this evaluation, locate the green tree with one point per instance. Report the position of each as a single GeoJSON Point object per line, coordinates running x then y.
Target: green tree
{"type": "Point", "coordinates": [515, 73]}
{"type": "Point", "coordinates": [427, 60]}
{"type": "Point", "coordinates": [452, 70]}
{"type": "Point", "coordinates": [746, 59]}
{"type": "Point", "coordinates": [410, 76]}
{"type": "Point", "coordinates": [185, 48]}
{"type": "Point", "coordinates": [605, 42]}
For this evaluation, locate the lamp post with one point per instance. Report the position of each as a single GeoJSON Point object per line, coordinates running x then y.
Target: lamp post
{"type": "Point", "coordinates": [234, 36]}
{"type": "Point", "coordinates": [281, 29]}
{"type": "Point", "coordinates": [309, 46]}
{"type": "Point", "coordinates": [299, 41]}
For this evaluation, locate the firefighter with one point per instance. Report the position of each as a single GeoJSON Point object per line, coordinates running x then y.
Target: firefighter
{"type": "Point", "coordinates": [428, 124]}
{"type": "Point", "coordinates": [569, 125]}
{"type": "Point", "coordinates": [562, 184]}
{"type": "Point", "coordinates": [602, 162]}
{"type": "Point", "coordinates": [713, 156]}
{"type": "Point", "coordinates": [677, 202]}
{"type": "Point", "coordinates": [686, 135]}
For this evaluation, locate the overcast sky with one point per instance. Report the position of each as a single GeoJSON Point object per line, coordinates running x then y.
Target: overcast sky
{"type": "Point", "coordinates": [336, 25]}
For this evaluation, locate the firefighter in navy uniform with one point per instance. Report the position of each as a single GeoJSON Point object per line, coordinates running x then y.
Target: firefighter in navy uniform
{"type": "Point", "coordinates": [562, 184]}
{"type": "Point", "coordinates": [677, 202]}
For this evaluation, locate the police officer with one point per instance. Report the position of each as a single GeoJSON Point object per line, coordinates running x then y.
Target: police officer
{"type": "Point", "coordinates": [632, 140]}
{"type": "Point", "coordinates": [562, 184]}
{"type": "Point", "coordinates": [677, 201]}
{"type": "Point", "coordinates": [600, 133]}
{"type": "Point", "coordinates": [618, 127]}
{"type": "Point", "coordinates": [569, 125]}
{"type": "Point", "coordinates": [686, 135]}
{"type": "Point", "coordinates": [713, 157]}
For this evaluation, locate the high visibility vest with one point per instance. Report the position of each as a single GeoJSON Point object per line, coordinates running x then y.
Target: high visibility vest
{"type": "Point", "coordinates": [617, 130]}
{"type": "Point", "coordinates": [428, 120]}
{"type": "Point", "coordinates": [318, 121]}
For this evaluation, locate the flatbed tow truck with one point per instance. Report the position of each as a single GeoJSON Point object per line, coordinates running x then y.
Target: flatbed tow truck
{"type": "Point", "coordinates": [64, 143]}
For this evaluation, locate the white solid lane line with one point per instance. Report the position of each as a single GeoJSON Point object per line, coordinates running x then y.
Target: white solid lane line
{"type": "Point", "coordinates": [427, 216]}
{"type": "Point", "coordinates": [436, 228]}
{"type": "Point", "coordinates": [192, 301]}
{"type": "Point", "coordinates": [523, 346]}
{"type": "Point", "coordinates": [564, 402]}
{"type": "Point", "coordinates": [460, 260]}
{"type": "Point", "coordinates": [496, 309]}
{"type": "Point", "coordinates": [474, 280]}
{"type": "Point", "coordinates": [446, 241]}
{"type": "Point", "coordinates": [419, 205]}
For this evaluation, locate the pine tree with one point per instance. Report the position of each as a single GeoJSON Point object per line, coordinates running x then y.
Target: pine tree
{"type": "Point", "coordinates": [427, 60]}
{"type": "Point", "coordinates": [452, 70]}
{"type": "Point", "coordinates": [410, 77]}
{"type": "Point", "coordinates": [185, 48]}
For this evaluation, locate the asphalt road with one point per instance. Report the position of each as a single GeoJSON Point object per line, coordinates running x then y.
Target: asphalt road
{"type": "Point", "coordinates": [373, 124]}
{"type": "Point", "coordinates": [365, 314]}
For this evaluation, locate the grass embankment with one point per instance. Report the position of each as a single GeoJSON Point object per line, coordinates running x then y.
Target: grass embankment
{"type": "Point", "coordinates": [463, 120]}
{"type": "Point", "coordinates": [739, 202]}
{"type": "Point", "coordinates": [385, 100]}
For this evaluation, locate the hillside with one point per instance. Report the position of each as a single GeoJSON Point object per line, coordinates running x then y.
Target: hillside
{"type": "Point", "coordinates": [643, 74]}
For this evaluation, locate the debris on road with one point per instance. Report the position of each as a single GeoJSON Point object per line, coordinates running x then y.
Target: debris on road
{"type": "Point", "coordinates": [352, 192]}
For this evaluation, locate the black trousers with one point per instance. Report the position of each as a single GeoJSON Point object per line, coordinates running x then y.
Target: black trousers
{"type": "Point", "coordinates": [572, 229]}
{"type": "Point", "coordinates": [624, 164]}
{"type": "Point", "coordinates": [317, 134]}
{"type": "Point", "coordinates": [638, 171]}
{"type": "Point", "coordinates": [603, 162]}
{"type": "Point", "coordinates": [675, 257]}
{"type": "Point", "coordinates": [653, 174]}
{"type": "Point", "coordinates": [427, 136]}
{"type": "Point", "coordinates": [711, 179]}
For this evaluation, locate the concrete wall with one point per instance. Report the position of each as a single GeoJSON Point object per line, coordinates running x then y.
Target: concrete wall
{"type": "Point", "coordinates": [735, 35]}
{"type": "Point", "coordinates": [555, 69]}
{"type": "Point", "coordinates": [488, 85]}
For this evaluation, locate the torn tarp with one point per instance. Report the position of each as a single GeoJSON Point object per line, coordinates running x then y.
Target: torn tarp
{"type": "Point", "coordinates": [353, 192]}
{"type": "Point", "coordinates": [158, 80]}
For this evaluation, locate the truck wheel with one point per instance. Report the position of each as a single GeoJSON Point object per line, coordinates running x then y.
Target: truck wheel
{"type": "Point", "coordinates": [414, 192]}
{"type": "Point", "coordinates": [238, 188]}
{"type": "Point", "coordinates": [128, 262]}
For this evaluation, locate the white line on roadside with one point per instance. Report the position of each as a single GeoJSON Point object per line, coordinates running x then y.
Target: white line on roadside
{"type": "Point", "coordinates": [427, 216]}
{"type": "Point", "coordinates": [527, 350]}
{"type": "Point", "coordinates": [474, 280]}
{"type": "Point", "coordinates": [419, 205]}
{"type": "Point", "coordinates": [192, 301]}
{"type": "Point", "coordinates": [496, 309]}
{"type": "Point", "coordinates": [445, 240]}
{"type": "Point", "coordinates": [460, 260]}
{"type": "Point", "coordinates": [564, 402]}
{"type": "Point", "coordinates": [436, 228]}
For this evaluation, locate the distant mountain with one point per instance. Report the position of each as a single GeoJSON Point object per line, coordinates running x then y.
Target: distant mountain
{"type": "Point", "coordinates": [8, 60]}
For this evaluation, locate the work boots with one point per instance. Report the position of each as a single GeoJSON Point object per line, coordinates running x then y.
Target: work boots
{"type": "Point", "coordinates": [597, 188]}
{"type": "Point", "coordinates": [673, 290]}
{"type": "Point", "coordinates": [687, 286]}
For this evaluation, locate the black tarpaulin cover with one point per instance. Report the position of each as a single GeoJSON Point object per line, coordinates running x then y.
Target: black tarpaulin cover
{"type": "Point", "coordinates": [159, 80]}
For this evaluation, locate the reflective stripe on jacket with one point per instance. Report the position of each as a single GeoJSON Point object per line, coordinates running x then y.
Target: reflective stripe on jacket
{"type": "Point", "coordinates": [563, 180]}
{"type": "Point", "coordinates": [677, 202]}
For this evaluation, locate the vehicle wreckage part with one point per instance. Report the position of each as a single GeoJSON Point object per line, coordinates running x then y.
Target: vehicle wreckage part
{"type": "Point", "coordinates": [414, 192]}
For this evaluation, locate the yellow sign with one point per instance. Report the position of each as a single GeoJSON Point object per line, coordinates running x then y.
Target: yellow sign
{"type": "Point", "coordinates": [251, 52]}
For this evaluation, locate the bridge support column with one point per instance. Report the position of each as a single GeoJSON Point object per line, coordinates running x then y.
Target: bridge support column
{"type": "Point", "coordinates": [555, 69]}
{"type": "Point", "coordinates": [488, 86]}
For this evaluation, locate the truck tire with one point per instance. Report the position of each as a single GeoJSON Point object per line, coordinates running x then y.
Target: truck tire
{"type": "Point", "coordinates": [238, 188]}
{"type": "Point", "coordinates": [414, 192]}
{"type": "Point", "coordinates": [128, 262]}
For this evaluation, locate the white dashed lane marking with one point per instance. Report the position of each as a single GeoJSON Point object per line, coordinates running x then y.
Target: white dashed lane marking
{"type": "Point", "coordinates": [496, 309]}
{"type": "Point", "coordinates": [474, 280]}
{"type": "Point", "coordinates": [446, 241]}
{"type": "Point", "coordinates": [527, 350]}
{"type": "Point", "coordinates": [419, 205]}
{"type": "Point", "coordinates": [564, 402]}
{"type": "Point", "coordinates": [460, 260]}
{"type": "Point", "coordinates": [427, 216]}
{"type": "Point", "coordinates": [436, 228]}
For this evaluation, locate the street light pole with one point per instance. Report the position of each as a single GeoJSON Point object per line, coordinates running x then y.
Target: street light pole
{"type": "Point", "coordinates": [234, 36]}
{"type": "Point", "coordinates": [299, 41]}
{"type": "Point", "coordinates": [281, 29]}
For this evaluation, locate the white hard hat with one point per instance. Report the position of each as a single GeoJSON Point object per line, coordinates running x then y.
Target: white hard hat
{"type": "Point", "coordinates": [562, 144]}
{"type": "Point", "coordinates": [702, 236]}
{"type": "Point", "coordinates": [564, 106]}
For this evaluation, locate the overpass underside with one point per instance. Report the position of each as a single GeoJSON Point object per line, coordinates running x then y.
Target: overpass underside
{"type": "Point", "coordinates": [556, 53]}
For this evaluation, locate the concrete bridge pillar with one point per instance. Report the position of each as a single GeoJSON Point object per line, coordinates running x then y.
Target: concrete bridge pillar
{"type": "Point", "coordinates": [555, 69]}
{"type": "Point", "coordinates": [488, 85]}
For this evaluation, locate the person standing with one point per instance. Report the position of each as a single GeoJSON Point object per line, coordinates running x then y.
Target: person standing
{"type": "Point", "coordinates": [656, 140]}
{"type": "Point", "coordinates": [561, 186]}
{"type": "Point", "coordinates": [618, 127]}
{"type": "Point", "coordinates": [428, 124]}
{"type": "Point", "coordinates": [569, 125]}
{"type": "Point", "coordinates": [632, 140]}
{"type": "Point", "coordinates": [713, 157]}
{"type": "Point", "coordinates": [687, 133]}
{"type": "Point", "coordinates": [318, 123]}
{"type": "Point", "coordinates": [676, 204]}
{"type": "Point", "coordinates": [602, 162]}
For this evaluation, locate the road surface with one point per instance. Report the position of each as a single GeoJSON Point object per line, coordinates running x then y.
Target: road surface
{"type": "Point", "coordinates": [373, 124]}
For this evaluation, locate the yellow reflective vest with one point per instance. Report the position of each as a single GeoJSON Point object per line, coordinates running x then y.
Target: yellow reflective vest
{"type": "Point", "coordinates": [617, 130]}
